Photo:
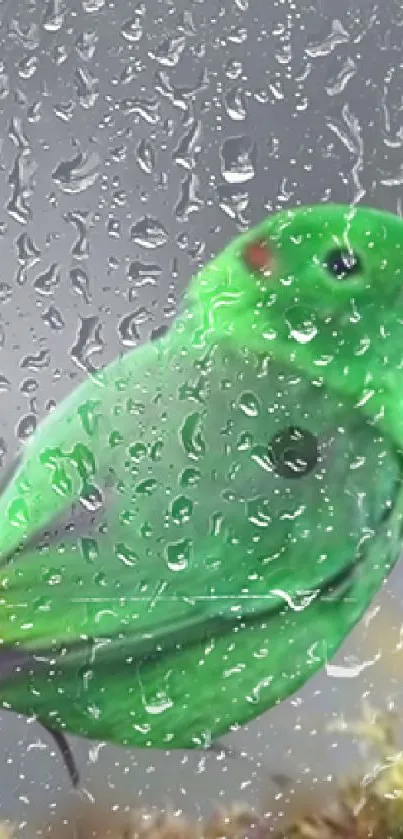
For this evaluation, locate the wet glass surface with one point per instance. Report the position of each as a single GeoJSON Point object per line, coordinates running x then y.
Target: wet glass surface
{"type": "Point", "coordinates": [136, 141]}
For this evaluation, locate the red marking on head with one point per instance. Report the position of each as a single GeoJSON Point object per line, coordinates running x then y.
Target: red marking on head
{"type": "Point", "coordinates": [258, 256]}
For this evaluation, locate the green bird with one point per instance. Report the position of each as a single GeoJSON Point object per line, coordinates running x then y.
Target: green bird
{"type": "Point", "coordinates": [193, 532]}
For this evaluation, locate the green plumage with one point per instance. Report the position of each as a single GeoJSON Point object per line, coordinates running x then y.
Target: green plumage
{"type": "Point", "coordinates": [194, 531]}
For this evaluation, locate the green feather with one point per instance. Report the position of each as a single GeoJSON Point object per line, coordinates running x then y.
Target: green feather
{"type": "Point", "coordinates": [194, 531]}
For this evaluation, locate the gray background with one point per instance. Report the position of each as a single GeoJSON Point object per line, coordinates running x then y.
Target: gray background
{"type": "Point", "coordinates": [186, 121]}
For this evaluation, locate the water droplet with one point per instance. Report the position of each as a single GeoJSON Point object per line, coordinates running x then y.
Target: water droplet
{"type": "Point", "coordinates": [29, 386]}
{"type": "Point", "coordinates": [27, 35]}
{"type": "Point", "coordinates": [238, 160]}
{"type": "Point", "coordinates": [156, 451]}
{"type": "Point", "coordinates": [60, 54]}
{"type": "Point", "coordinates": [27, 252]}
{"type": "Point", "coordinates": [92, 6]}
{"type": "Point", "coordinates": [337, 36]}
{"type": "Point", "coordinates": [178, 555]}
{"type": "Point", "coordinates": [91, 498]}
{"type": "Point", "coordinates": [255, 695]}
{"type": "Point", "coordinates": [258, 512]}
{"type": "Point", "coordinates": [53, 318]}
{"type": "Point", "coordinates": [89, 417]}
{"type": "Point", "coordinates": [61, 482]}
{"type": "Point", "coordinates": [393, 181]}
{"type": "Point", "coordinates": [249, 404]}
{"type": "Point", "coordinates": [138, 451]}
{"type": "Point", "coordinates": [301, 325]}
{"type": "Point", "coordinates": [147, 487]}
{"type": "Point", "coordinates": [113, 229]}
{"type": "Point", "coordinates": [244, 441]}
{"type": "Point", "coordinates": [86, 45]}
{"type": "Point", "coordinates": [65, 110]}
{"type": "Point", "coordinates": [21, 181]}
{"type": "Point", "coordinates": [237, 35]}
{"type": "Point", "coordinates": [4, 82]}
{"type": "Point", "coordinates": [145, 156]}
{"type": "Point", "coordinates": [234, 202]}
{"type": "Point", "coordinates": [34, 111]}
{"type": "Point", "coordinates": [189, 200]}
{"type": "Point", "coordinates": [52, 577]}
{"type": "Point", "coordinates": [87, 87]}
{"type": "Point", "coordinates": [149, 233]}
{"type": "Point", "coordinates": [36, 362]}
{"type": "Point", "coordinates": [126, 555]}
{"type": "Point", "coordinates": [115, 439]}
{"type": "Point", "coordinates": [235, 104]}
{"type": "Point", "coordinates": [28, 66]}
{"type": "Point", "coordinates": [342, 79]}
{"type": "Point", "coordinates": [89, 548]}
{"type": "Point", "coordinates": [181, 509]}
{"type": "Point", "coordinates": [128, 327]}
{"type": "Point", "coordinates": [185, 23]}
{"type": "Point", "coordinates": [80, 283]}
{"type": "Point", "coordinates": [185, 153]}
{"type": "Point", "coordinates": [81, 247]}
{"type": "Point", "coordinates": [189, 477]}
{"type": "Point", "coordinates": [54, 15]}
{"type": "Point", "coordinates": [26, 426]}
{"type": "Point", "coordinates": [261, 457]}
{"type": "Point", "coordinates": [3, 451]}
{"type": "Point", "coordinates": [5, 292]}
{"type": "Point", "coordinates": [169, 51]}
{"type": "Point", "coordinates": [179, 96]}
{"type": "Point", "coordinates": [233, 69]}
{"type": "Point", "coordinates": [132, 30]}
{"type": "Point", "coordinates": [147, 109]}
{"type": "Point", "coordinates": [18, 513]}
{"type": "Point", "coordinates": [191, 436]}
{"type": "Point", "coordinates": [143, 273]}
{"type": "Point", "coordinates": [46, 283]}
{"type": "Point", "coordinates": [78, 173]}
{"type": "Point", "coordinates": [88, 343]}
{"type": "Point", "coordinates": [17, 134]}
{"type": "Point", "coordinates": [82, 457]}
{"type": "Point", "coordinates": [158, 704]}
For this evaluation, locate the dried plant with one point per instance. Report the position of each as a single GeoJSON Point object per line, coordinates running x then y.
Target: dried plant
{"type": "Point", "coordinates": [370, 807]}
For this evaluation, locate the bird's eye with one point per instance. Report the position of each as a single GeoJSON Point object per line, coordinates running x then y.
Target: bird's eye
{"type": "Point", "coordinates": [343, 264]}
{"type": "Point", "coordinates": [293, 452]}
